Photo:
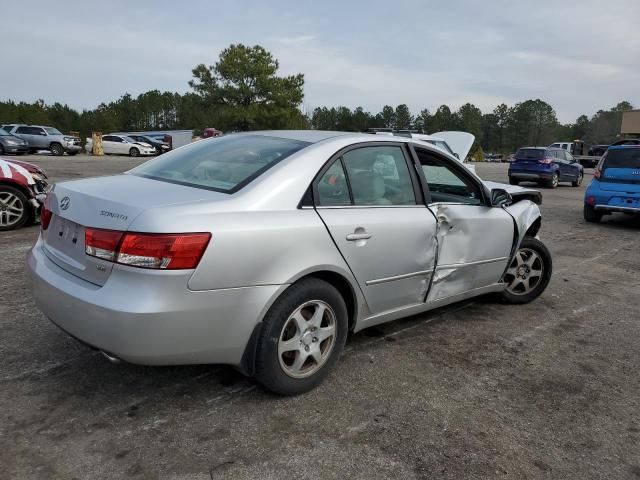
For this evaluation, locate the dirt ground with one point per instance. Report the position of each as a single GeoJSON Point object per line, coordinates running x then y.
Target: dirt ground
{"type": "Point", "coordinates": [475, 390]}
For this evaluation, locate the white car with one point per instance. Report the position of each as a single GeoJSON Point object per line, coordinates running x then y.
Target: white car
{"type": "Point", "coordinates": [122, 145]}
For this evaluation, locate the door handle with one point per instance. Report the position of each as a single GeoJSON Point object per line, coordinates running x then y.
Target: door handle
{"type": "Point", "coordinates": [353, 237]}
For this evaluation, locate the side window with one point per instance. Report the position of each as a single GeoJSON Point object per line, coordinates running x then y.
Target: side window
{"type": "Point", "coordinates": [37, 131]}
{"type": "Point", "coordinates": [23, 130]}
{"type": "Point", "coordinates": [107, 138]}
{"type": "Point", "coordinates": [332, 187]}
{"type": "Point", "coordinates": [446, 184]}
{"type": "Point", "coordinates": [379, 176]}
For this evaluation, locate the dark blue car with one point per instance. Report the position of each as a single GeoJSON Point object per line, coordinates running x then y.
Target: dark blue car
{"type": "Point", "coordinates": [616, 184]}
{"type": "Point", "coordinates": [546, 166]}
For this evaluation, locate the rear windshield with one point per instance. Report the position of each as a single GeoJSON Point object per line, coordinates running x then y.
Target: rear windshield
{"type": "Point", "coordinates": [623, 158]}
{"type": "Point", "coordinates": [224, 164]}
{"type": "Point", "coordinates": [530, 154]}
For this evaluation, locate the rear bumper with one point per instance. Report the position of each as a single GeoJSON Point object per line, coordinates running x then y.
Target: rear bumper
{"type": "Point", "coordinates": [16, 148]}
{"type": "Point", "coordinates": [618, 209]}
{"type": "Point", "coordinates": [523, 175]}
{"type": "Point", "coordinates": [158, 321]}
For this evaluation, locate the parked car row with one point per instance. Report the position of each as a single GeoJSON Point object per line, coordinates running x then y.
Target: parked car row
{"type": "Point", "coordinates": [37, 137]}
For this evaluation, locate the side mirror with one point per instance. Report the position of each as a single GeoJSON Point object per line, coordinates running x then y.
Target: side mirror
{"type": "Point", "coordinates": [500, 198]}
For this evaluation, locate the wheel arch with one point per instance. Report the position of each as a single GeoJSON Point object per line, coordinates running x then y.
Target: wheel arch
{"type": "Point", "coordinates": [338, 280]}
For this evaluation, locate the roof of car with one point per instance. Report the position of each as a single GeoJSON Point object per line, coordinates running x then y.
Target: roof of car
{"type": "Point", "coordinates": [540, 148]}
{"type": "Point", "coordinates": [311, 136]}
{"type": "Point", "coordinates": [619, 147]}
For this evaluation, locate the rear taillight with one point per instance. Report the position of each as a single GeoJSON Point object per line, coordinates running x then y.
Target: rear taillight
{"type": "Point", "coordinates": [597, 173]}
{"type": "Point", "coordinates": [591, 200]}
{"type": "Point", "coordinates": [546, 161]}
{"type": "Point", "coordinates": [45, 217]}
{"type": "Point", "coordinates": [171, 251]}
{"type": "Point", "coordinates": [102, 243]}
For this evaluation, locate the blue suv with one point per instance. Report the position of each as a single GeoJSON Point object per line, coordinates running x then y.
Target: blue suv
{"type": "Point", "coordinates": [547, 166]}
{"type": "Point", "coordinates": [616, 184]}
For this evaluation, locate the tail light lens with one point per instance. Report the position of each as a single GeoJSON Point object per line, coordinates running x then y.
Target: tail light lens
{"type": "Point", "coordinates": [102, 243]}
{"type": "Point", "coordinates": [172, 251]}
{"type": "Point", "coordinates": [45, 217]}
{"type": "Point", "coordinates": [591, 200]}
{"type": "Point", "coordinates": [165, 251]}
{"type": "Point", "coordinates": [546, 161]}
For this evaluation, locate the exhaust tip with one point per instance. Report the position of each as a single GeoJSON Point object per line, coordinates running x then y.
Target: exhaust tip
{"type": "Point", "coordinates": [109, 357]}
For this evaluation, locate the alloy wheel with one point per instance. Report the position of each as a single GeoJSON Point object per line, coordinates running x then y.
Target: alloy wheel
{"type": "Point", "coordinates": [11, 209]}
{"type": "Point", "coordinates": [525, 272]}
{"type": "Point", "coordinates": [307, 339]}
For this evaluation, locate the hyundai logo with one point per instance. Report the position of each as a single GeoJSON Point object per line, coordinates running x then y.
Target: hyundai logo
{"type": "Point", "coordinates": [64, 203]}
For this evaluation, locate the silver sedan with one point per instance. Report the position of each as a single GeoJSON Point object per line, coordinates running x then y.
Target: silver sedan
{"type": "Point", "coordinates": [263, 250]}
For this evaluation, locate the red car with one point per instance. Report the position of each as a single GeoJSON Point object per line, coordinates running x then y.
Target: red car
{"type": "Point", "coordinates": [22, 190]}
{"type": "Point", "coordinates": [211, 132]}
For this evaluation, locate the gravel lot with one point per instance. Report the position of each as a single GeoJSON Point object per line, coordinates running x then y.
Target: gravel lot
{"type": "Point", "coordinates": [475, 390]}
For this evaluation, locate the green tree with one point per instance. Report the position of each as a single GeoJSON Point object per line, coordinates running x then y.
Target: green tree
{"type": "Point", "coordinates": [388, 115]}
{"type": "Point", "coordinates": [403, 117]}
{"type": "Point", "coordinates": [245, 87]}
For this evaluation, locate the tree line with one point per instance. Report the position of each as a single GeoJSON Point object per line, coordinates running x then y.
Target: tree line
{"type": "Point", "coordinates": [242, 91]}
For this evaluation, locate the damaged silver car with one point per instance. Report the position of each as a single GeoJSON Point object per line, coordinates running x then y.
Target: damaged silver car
{"type": "Point", "coordinates": [263, 250]}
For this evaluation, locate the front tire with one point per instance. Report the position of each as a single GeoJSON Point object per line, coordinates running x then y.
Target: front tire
{"type": "Point", "coordinates": [56, 149]}
{"type": "Point", "coordinates": [14, 208]}
{"type": "Point", "coordinates": [553, 181]}
{"type": "Point", "coordinates": [134, 152]}
{"type": "Point", "coordinates": [302, 337]}
{"type": "Point", "coordinates": [529, 272]}
{"type": "Point", "coordinates": [591, 215]}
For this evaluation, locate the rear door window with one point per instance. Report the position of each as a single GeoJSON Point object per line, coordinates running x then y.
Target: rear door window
{"type": "Point", "coordinates": [379, 175]}
{"type": "Point", "coordinates": [224, 164]}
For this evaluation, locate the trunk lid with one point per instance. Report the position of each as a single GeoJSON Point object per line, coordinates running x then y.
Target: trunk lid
{"type": "Point", "coordinates": [109, 203]}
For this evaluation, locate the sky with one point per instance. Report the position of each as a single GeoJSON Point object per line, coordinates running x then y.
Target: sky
{"type": "Point", "coordinates": [578, 56]}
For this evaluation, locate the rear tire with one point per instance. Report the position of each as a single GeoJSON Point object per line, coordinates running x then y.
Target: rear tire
{"type": "Point", "coordinates": [134, 152]}
{"type": "Point", "coordinates": [553, 181]}
{"type": "Point", "coordinates": [14, 208]}
{"type": "Point", "coordinates": [578, 181]}
{"type": "Point", "coordinates": [591, 215]}
{"type": "Point", "coordinates": [292, 356]}
{"type": "Point", "coordinates": [56, 149]}
{"type": "Point", "coordinates": [529, 272]}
